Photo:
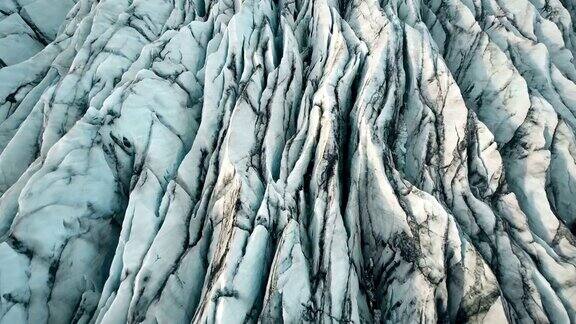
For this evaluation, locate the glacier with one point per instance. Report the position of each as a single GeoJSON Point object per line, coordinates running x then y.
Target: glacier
{"type": "Point", "coordinates": [287, 161]}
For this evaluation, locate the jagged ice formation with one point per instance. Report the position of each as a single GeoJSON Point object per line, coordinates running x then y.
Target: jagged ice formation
{"type": "Point", "coordinates": [287, 161]}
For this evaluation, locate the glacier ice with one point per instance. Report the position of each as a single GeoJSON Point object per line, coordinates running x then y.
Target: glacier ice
{"type": "Point", "coordinates": [241, 161]}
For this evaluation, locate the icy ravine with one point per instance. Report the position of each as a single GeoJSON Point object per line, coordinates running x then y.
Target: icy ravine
{"type": "Point", "coordinates": [287, 161]}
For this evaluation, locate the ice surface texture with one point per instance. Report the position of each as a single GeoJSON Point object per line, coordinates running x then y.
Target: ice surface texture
{"type": "Point", "coordinates": [287, 161]}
